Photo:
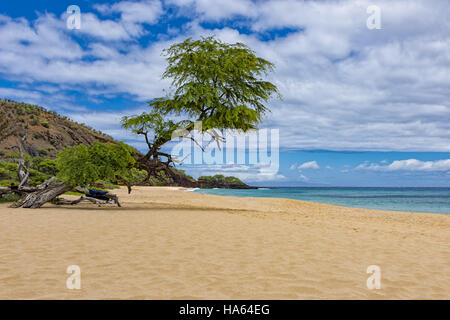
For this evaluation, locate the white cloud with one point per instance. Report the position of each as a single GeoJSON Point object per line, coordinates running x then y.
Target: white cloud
{"type": "Point", "coordinates": [309, 165]}
{"type": "Point", "coordinates": [303, 178]}
{"type": "Point", "coordinates": [103, 29]}
{"type": "Point", "coordinates": [408, 165]}
{"type": "Point", "coordinates": [109, 123]}
{"type": "Point", "coordinates": [345, 87]}
{"type": "Point", "coordinates": [147, 11]}
{"type": "Point", "coordinates": [211, 10]}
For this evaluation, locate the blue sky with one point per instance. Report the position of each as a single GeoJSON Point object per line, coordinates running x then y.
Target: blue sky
{"type": "Point", "coordinates": [360, 107]}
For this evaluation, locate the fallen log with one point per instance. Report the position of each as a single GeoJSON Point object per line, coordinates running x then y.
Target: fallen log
{"type": "Point", "coordinates": [61, 201]}
{"type": "Point", "coordinates": [38, 198]}
{"type": "Point", "coordinates": [49, 191]}
{"type": "Point", "coordinates": [5, 190]}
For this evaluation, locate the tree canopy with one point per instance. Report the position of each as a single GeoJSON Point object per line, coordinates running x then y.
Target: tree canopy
{"type": "Point", "coordinates": [85, 165]}
{"type": "Point", "coordinates": [217, 83]}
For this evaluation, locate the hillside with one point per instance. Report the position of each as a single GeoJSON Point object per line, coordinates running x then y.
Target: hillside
{"type": "Point", "coordinates": [48, 132]}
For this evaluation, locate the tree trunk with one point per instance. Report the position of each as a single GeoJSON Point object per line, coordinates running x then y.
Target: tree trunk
{"type": "Point", "coordinates": [38, 198]}
{"type": "Point", "coordinates": [181, 180]}
{"type": "Point", "coordinates": [4, 190]}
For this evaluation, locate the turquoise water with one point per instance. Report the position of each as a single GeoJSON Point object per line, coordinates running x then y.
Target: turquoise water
{"type": "Point", "coordinates": [435, 200]}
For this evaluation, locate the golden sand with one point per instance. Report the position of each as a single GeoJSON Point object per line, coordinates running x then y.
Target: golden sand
{"type": "Point", "coordinates": [171, 244]}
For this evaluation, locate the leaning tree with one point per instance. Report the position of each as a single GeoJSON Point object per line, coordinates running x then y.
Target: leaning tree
{"type": "Point", "coordinates": [216, 83]}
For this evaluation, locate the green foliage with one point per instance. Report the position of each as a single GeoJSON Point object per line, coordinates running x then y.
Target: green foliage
{"type": "Point", "coordinates": [106, 185]}
{"type": "Point", "coordinates": [234, 181]}
{"type": "Point", "coordinates": [48, 166]}
{"type": "Point", "coordinates": [220, 180]}
{"type": "Point", "coordinates": [37, 135]}
{"type": "Point", "coordinates": [72, 193]}
{"type": "Point", "coordinates": [43, 151]}
{"type": "Point", "coordinates": [32, 110]}
{"type": "Point", "coordinates": [182, 172]}
{"type": "Point", "coordinates": [134, 176]}
{"type": "Point", "coordinates": [8, 171]}
{"type": "Point", "coordinates": [218, 83]}
{"type": "Point", "coordinates": [6, 127]}
{"type": "Point", "coordinates": [37, 177]}
{"type": "Point", "coordinates": [7, 183]}
{"type": "Point", "coordinates": [151, 122]}
{"type": "Point", "coordinates": [161, 179]}
{"type": "Point", "coordinates": [45, 124]}
{"type": "Point", "coordinates": [9, 198]}
{"type": "Point", "coordinates": [85, 165]}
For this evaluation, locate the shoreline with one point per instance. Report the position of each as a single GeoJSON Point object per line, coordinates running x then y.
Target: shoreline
{"type": "Point", "coordinates": [314, 202]}
{"type": "Point", "coordinates": [168, 244]}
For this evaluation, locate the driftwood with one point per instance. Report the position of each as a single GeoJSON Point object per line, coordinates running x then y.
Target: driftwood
{"type": "Point", "coordinates": [113, 199]}
{"type": "Point", "coordinates": [61, 201]}
{"type": "Point", "coordinates": [49, 191]}
{"type": "Point", "coordinates": [38, 198]}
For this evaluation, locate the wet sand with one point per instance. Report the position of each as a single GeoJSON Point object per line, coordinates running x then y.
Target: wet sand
{"type": "Point", "coordinates": [170, 244]}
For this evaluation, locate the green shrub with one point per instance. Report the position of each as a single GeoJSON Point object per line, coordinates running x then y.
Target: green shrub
{"type": "Point", "coordinates": [7, 183]}
{"type": "Point", "coordinates": [37, 177]}
{"type": "Point", "coordinates": [48, 166]}
{"type": "Point", "coordinates": [10, 197]}
{"type": "Point", "coordinates": [45, 124]}
{"type": "Point", "coordinates": [219, 179]}
{"type": "Point", "coordinates": [37, 135]}
{"type": "Point", "coordinates": [182, 172]}
{"type": "Point", "coordinates": [43, 151]}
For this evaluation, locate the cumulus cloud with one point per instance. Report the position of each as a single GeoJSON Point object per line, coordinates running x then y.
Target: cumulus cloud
{"type": "Point", "coordinates": [147, 11]}
{"type": "Point", "coordinates": [309, 165]}
{"type": "Point", "coordinates": [109, 123]}
{"type": "Point", "coordinates": [345, 87]}
{"type": "Point", "coordinates": [213, 10]}
{"type": "Point", "coordinates": [132, 15]}
{"type": "Point", "coordinates": [303, 178]}
{"type": "Point", "coordinates": [104, 29]}
{"type": "Point", "coordinates": [408, 165]}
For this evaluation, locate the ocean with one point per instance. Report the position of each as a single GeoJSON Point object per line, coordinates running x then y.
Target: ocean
{"type": "Point", "coordinates": [433, 200]}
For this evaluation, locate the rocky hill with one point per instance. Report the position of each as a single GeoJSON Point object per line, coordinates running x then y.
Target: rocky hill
{"type": "Point", "coordinates": [48, 132]}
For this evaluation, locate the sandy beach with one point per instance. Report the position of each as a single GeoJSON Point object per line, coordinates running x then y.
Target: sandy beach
{"type": "Point", "coordinates": [166, 243]}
